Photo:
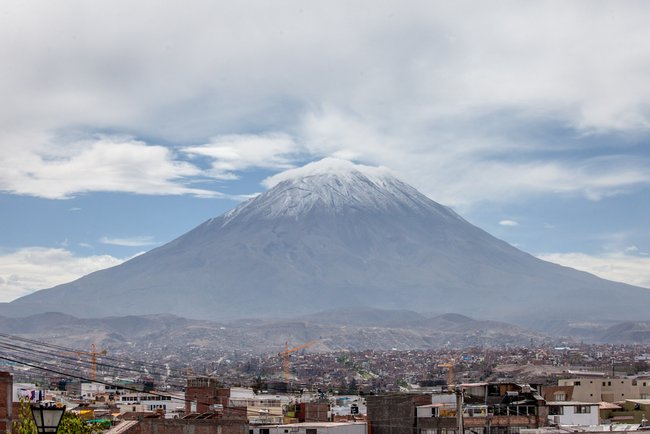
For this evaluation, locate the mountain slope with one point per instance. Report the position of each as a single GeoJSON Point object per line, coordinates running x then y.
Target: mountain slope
{"type": "Point", "coordinates": [165, 336]}
{"type": "Point", "coordinates": [331, 235]}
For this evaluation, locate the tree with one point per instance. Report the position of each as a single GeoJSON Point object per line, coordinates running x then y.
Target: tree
{"type": "Point", "coordinates": [24, 424]}
{"type": "Point", "coordinates": [73, 424]}
{"type": "Point", "coordinates": [70, 423]}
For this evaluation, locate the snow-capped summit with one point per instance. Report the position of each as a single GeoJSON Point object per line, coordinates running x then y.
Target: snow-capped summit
{"type": "Point", "coordinates": [334, 186]}
{"type": "Point", "coordinates": [334, 234]}
{"type": "Point", "coordinates": [332, 167]}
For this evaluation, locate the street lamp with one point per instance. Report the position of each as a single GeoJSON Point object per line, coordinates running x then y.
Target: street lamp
{"type": "Point", "coordinates": [47, 417]}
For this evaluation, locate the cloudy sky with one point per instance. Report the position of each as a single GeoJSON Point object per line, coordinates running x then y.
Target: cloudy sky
{"type": "Point", "coordinates": [124, 124]}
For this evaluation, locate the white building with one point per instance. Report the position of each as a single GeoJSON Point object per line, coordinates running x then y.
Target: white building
{"type": "Point", "coordinates": [261, 409]}
{"type": "Point", "coordinates": [348, 405]}
{"type": "Point", "coordinates": [89, 391]}
{"type": "Point", "coordinates": [573, 413]}
{"type": "Point", "coordinates": [592, 389]}
{"type": "Point", "coordinates": [141, 401]}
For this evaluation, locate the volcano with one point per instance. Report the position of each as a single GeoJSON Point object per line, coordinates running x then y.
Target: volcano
{"type": "Point", "coordinates": [332, 235]}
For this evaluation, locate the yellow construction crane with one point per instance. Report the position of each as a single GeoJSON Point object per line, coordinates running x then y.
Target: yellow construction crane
{"type": "Point", "coordinates": [288, 351]}
{"type": "Point", "coordinates": [450, 371]}
{"type": "Point", "coordinates": [93, 353]}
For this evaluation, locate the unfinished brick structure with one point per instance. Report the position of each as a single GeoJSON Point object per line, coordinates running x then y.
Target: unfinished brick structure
{"type": "Point", "coordinates": [203, 393]}
{"type": "Point", "coordinates": [229, 421]}
{"type": "Point", "coordinates": [6, 404]}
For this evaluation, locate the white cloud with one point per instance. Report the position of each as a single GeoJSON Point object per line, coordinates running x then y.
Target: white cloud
{"type": "Point", "coordinates": [33, 268]}
{"type": "Point", "coordinates": [102, 164]}
{"type": "Point", "coordinates": [618, 266]}
{"type": "Point", "coordinates": [436, 91]}
{"type": "Point", "coordinates": [508, 223]}
{"type": "Point", "coordinates": [466, 167]}
{"type": "Point", "coordinates": [140, 241]}
{"type": "Point", "coordinates": [236, 152]}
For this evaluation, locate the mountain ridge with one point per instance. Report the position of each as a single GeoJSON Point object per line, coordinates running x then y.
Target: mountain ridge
{"type": "Point", "coordinates": [333, 235]}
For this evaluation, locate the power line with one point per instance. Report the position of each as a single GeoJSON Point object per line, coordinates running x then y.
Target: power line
{"type": "Point", "coordinates": [243, 410]}
{"type": "Point", "coordinates": [105, 383]}
{"type": "Point", "coordinates": [69, 361]}
{"type": "Point", "coordinates": [86, 360]}
{"type": "Point", "coordinates": [76, 350]}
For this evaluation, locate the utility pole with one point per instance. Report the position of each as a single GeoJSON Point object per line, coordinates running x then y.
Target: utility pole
{"type": "Point", "coordinates": [460, 401]}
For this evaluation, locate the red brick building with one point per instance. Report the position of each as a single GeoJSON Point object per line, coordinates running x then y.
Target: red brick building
{"type": "Point", "coordinates": [228, 421]}
{"type": "Point", "coordinates": [204, 394]}
{"type": "Point", "coordinates": [313, 412]}
{"type": "Point", "coordinates": [6, 401]}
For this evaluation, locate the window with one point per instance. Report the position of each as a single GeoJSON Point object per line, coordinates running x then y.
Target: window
{"type": "Point", "coordinates": [556, 410]}
{"type": "Point", "coordinates": [493, 390]}
{"type": "Point", "coordinates": [609, 383]}
{"type": "Point", "coordinates": [312, 431]}
{"type": "Point", "coordinates": [604, 383]}
{"type": "Point", "coordinates": [576, 383]}
{"type": "Point", "coordinates": [582, 409]}
{"type": "Point", "coordinates": [559, 396]}
{"type": "Point", "coordinates": [264, 431]}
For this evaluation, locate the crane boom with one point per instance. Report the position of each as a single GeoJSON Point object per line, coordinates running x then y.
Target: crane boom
{"type": "Point", "coordinates": [93, 353]}
{"type": "Point", "coordinates": [450, 371]}
{"type": "Point", "coordinates": [288, 351]}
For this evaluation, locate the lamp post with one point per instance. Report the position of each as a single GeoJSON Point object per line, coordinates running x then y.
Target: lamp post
{"type": "Point", "coordinates": [47, 417]}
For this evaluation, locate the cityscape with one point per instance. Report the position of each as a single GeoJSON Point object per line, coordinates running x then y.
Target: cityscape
{"type": "Point", "coordinates": [324, 217]}
{"type": "Point", "coordinates": [610, 384]}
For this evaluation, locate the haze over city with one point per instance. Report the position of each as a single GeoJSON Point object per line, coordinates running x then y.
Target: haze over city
{"type": "Point", "coordinates": [126, 125]}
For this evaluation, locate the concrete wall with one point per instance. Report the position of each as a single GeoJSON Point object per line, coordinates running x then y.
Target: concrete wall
{"type": "Point", "coordinates": [644, 388]}
{"type": "Point", "coordinates": [394, 414]}
{"type": "Point", "coordinates": [603, 389]}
